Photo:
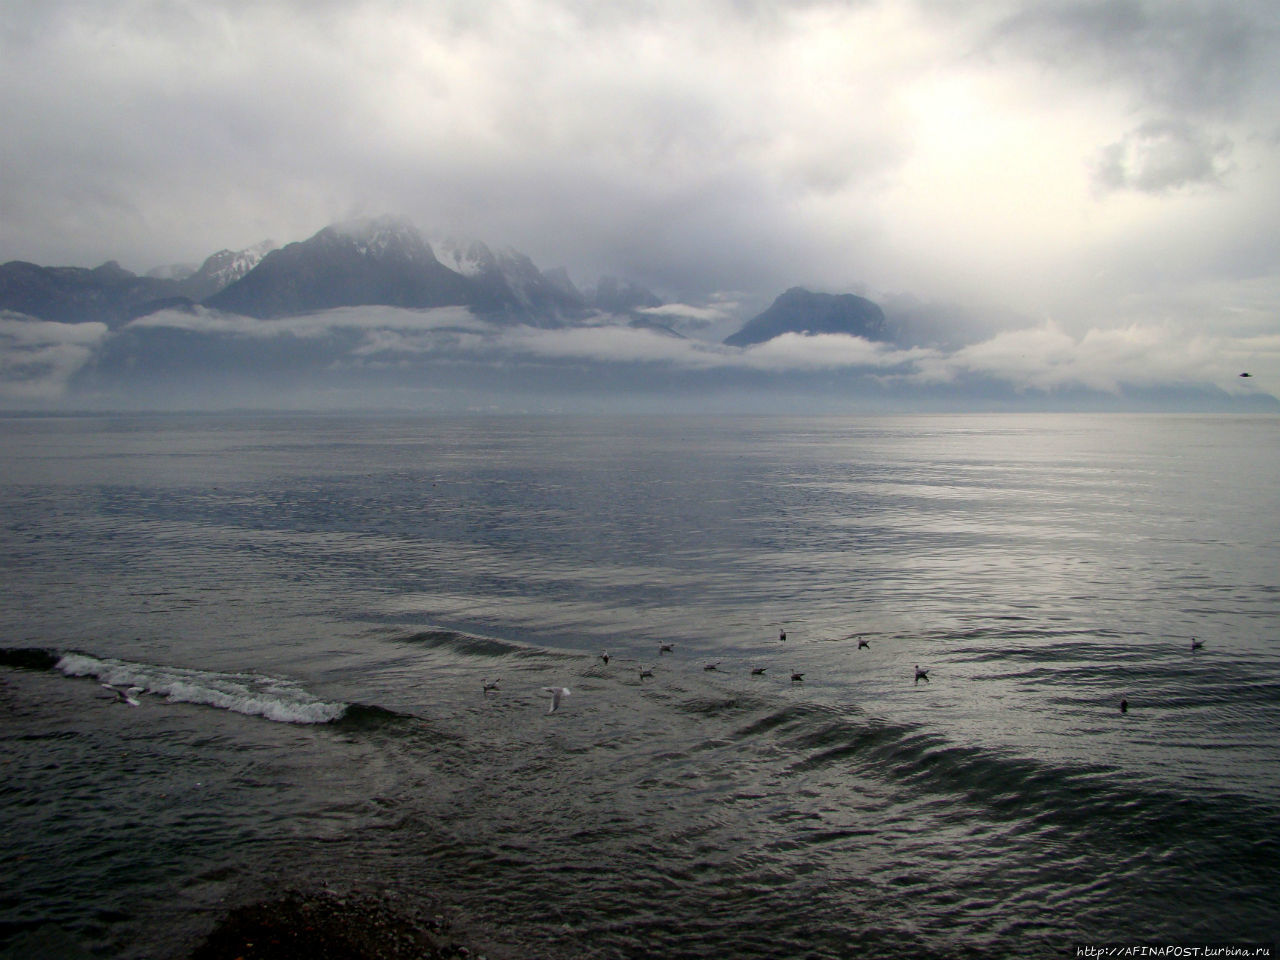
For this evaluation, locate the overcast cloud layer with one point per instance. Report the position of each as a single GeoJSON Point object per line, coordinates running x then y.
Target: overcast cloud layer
{"type": "Point", "coordinates": [1108, 173]}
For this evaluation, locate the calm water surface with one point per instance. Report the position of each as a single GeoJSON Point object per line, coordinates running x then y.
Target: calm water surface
{"type": "Point", "coordinates": [309, 606]}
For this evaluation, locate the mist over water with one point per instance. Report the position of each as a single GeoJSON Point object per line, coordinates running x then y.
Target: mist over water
{"type": "Point", "coordinates": [310, 604]}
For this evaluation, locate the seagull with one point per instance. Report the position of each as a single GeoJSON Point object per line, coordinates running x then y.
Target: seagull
{"type": "Point", "coordinates": [756, 671]}
{"type": "Point", "coordinates": [712, 666]}
{"type": "Point", "coordinates": [604, 655]}
{"type": "Point", "coordinates": [665, 648]}
{"type": "Point", "coordinates": [921, 674]}
{"type": "Point", "coordinates": [1124, 706]}
{"type": "Point", "coordinates": [782, 634]}
{"type": "Point", "coordinates": [1246, 374]}
{"type": "Point", "coordinates": [557, 694]}
{"type": "Point", "coordinates": [864, 645]}
{"type": "Point", "coordinates": [797, 676]}
{"type": "Point", "coordinates": [488, 685]}
{"type": "Point", "coordinates": [1196, 644]}
{"type": "Point", "coordinates": [125, 696]}
{"type": "Point", "coordinates": [646, 672]}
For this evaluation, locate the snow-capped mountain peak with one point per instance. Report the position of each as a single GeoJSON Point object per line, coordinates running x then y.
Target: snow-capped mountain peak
{"type": "Point", "coordinates": [377, 237]}
{"type": "Point", "coordinates": [471, 258]}
{"type": "Point", "coordinates": [227, 266]}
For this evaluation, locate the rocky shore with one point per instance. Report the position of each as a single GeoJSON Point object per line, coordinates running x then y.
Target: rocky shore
{"type": "Point", "coordinates": [326, 926]}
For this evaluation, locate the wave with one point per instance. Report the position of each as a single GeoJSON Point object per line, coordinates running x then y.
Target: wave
{"type": "Point", "coordinates": [255, 695]}
{"type": "Point", "coordinates": [469, 644]}
{"type": "Point", "coordinates": [252, 694]}
{"type": "Point", "coordinates": [1059, 799]}
{"type": "Point", "coordinates": [368, 716]}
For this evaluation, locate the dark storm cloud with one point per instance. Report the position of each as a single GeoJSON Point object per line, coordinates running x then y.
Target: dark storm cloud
{"type": "Point", "coordinates": [1192, 71]}
{"type": "Point", "coordinates": [562, 128]}
{"type": "Point", "coordinates": [1160, 156]}
{"type": "Point", "coordinates": [1203, 58]}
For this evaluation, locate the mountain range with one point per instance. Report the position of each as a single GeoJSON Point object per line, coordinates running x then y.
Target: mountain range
{"type": "Point", "coordinates": [382, 261]}
{"type": "Point", "coordinates": [112, 295]}
{"type": "Point", "coordinates": [371, 314]}
{"type": "Point", "coordinates": [385, 261]}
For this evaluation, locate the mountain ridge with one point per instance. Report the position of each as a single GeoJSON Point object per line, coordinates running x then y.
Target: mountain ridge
{"type": "Point", "coordinates": [387, 261]}
{"type": "Point", "coordinates": [380, 261]}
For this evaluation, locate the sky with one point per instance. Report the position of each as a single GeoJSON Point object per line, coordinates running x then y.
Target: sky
{"type": "Point", "coordinates": [1091, 188]}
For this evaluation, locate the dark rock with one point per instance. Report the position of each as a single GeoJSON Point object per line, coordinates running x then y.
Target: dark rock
{"type": "Point", "coordinates": [326, 927]}
{"type": "Point", "coordinates": [801, 311]}
{"type": "Point", "coordinates": [29, 658]}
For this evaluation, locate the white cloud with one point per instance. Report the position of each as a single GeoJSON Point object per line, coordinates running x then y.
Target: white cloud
{"type": "Point", "coordinates": [38, 357]}
{"type": "Point", "coordinates": [1160, 156]}
{"type": "Point", "coordinates": [798, 352]}
{"type": "Point", "coordinates": [684, 311]}
{"type": "Point", "coordinates": [610, 344]}
{"type": "Point", "coordinates": [1139, 355]}
{"type": "Point", "coordinates": [1046, 357]}
{"type": "Point", "coordinates": [204, 320]}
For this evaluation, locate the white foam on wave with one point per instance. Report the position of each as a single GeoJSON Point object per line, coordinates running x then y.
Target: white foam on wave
{"type": "Point", "coordinates": [252, 694]}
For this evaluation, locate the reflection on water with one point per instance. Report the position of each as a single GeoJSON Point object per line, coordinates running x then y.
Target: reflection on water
{"type": "Point", "coordinates": [1041, 568]}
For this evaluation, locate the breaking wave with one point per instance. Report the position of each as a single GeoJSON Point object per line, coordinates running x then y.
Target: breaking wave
{"type": "Point", "coordinates": [252, 694]}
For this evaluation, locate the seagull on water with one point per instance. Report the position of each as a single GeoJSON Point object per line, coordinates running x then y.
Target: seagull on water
{"type": "Point", "coordinates": [1124, 706]}
{"type": "Point", "coordinates": [665, 648]}
{"type": "Point", "coordinates": [646, 672]}
{"type": "Point", "coordinates": [864, 645]}
{"type": "Point", "coordinates": [604, 655]}
{"type": "Point", "coordinates": [757, 671]}
{"type": "Point", "coordinates": [129, 696]}
{"type": "Point", "coordinates": [1196, 644]}
{"type": "Point", "coordinates": [782, 634]}
{"type": "Point", "coordinates": [797, 677]}
{"type": "Point", "coordinates": [556, 694]}
{"type": "Point", "coordinates": [921, 674]}
{"type": "Point", "coordinates": [488, 685]}
{"type": "Point", "coordinates": [712, 666]}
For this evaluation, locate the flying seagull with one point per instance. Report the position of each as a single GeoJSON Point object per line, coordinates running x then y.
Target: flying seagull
{"type": "Point", "coordinates": [556, 694]}
{"type": "Point", "coordinates": [921, 674]}
{"type": "Point", "coordinates": [125, 696]}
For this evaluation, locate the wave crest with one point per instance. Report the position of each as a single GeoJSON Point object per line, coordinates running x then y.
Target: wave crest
{"type": "Point", "coordinates": [257, 695]}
